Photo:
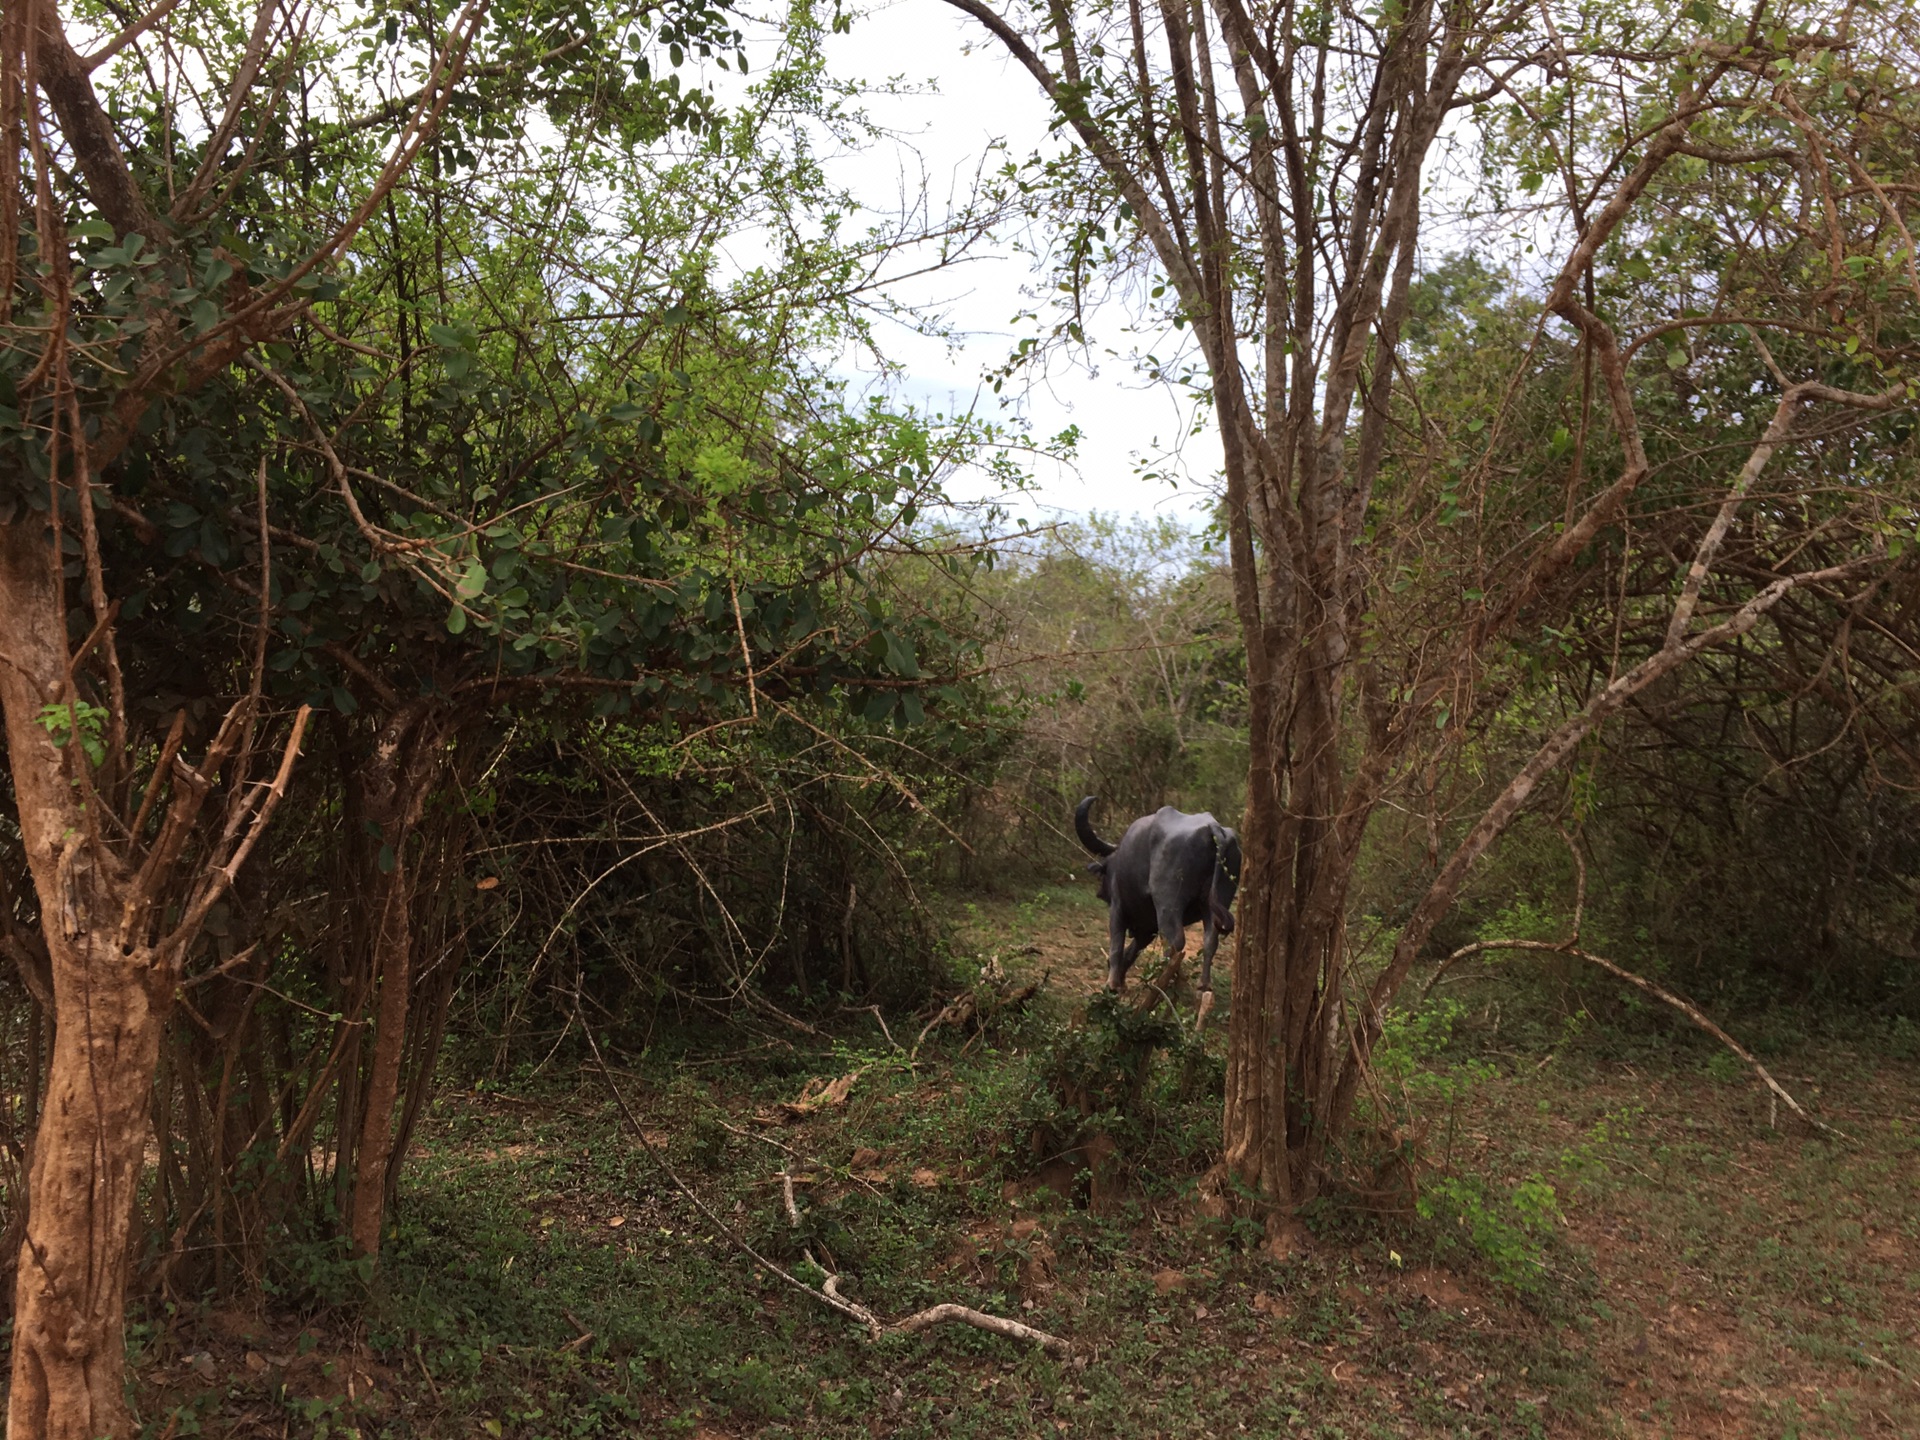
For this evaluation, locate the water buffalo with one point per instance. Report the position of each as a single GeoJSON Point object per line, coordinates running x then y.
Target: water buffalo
{"type": "Point", "coordinates": [1169, 870]}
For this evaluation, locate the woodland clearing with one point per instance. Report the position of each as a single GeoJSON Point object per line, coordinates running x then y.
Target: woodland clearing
{"type": "Point", "coordinates": [1702, 1274]}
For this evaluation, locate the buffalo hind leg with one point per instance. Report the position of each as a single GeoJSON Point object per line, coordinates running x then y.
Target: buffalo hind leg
{"type": "Point", "coordinates": [1209, 942]}
{"type": "Point", "coordinates": [1173, 935]}
{"type": "Point", "coordinates": [1122, 950]}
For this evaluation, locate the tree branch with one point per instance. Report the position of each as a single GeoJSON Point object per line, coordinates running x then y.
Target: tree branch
{"type": "Point", "coordinates": [1658, 992]}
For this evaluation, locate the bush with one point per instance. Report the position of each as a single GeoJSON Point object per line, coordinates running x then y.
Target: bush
{"type": "Point", "coordinates": [1505, 1230]}
{"type": "Point", "coordinates": [1125, 1090]}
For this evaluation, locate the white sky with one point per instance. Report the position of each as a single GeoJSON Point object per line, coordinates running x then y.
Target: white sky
{"type": "Point", "coordinates": [965, 102]}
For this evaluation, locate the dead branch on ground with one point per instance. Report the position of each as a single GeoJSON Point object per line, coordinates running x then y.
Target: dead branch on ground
{"type": "Point", "coordinates": [828, 1294]}
{"type": "Point", "coordinates": [921, 1319]}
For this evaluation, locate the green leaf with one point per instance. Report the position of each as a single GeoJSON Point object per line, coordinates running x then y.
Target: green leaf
{"type": "Point", "coordinates": [472, 582]}
{"type": "Point", "coordinates": [457, 620]}
{"type": "Point", "coordinates": [900, 656]}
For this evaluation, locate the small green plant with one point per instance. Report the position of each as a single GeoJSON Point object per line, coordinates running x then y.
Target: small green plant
{"type": "Point", "coordinates": [319, 1270]}
{"type": "Point", "coordinates": [1589, 1163]}
{"type": "Point", "coordinates": [68, 718]}
{"type": "Point", "coordinates": [1903, 1039]}
{"type": "Point", "coordinates": [1412, 1066]}
{"type": "Point", "coordinates": [1105, 1077]}
{"type": "Point", "coordinates": [1508, 1232]}
{"type": "Point", "coordinates": [325, 1415]}
{"type": "Point", "coordinates": [1726, 1067]}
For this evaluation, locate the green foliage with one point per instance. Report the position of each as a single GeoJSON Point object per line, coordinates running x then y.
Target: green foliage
{"type": "Point", "coordinates": [1139, 1079]}
{"type": "Point", "coordinates": [1504, 1229]}
{"type": "Point", "coordinates": [547, 499]}
{"type": "Point", "coordinates": [1122, 674]}
{"type": "Point", "coordinates": [1589, 1164]}
{"type": "Point", "coordinates": [1418, 1059]}
{"type": "Point", "coordinates": [67, 719]}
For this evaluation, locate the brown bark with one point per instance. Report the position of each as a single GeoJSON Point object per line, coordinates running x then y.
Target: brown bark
{"type": "Point", "coordinates": [392, 957]}
{"type": "Point", "coordinates": [407, 760]}
{"type": "Point", "coordinates": [112, 980]}
{"type": "Point", "coordinates": [69, 1337]}
{"type": "Point", "coordinates": [68, 1340]}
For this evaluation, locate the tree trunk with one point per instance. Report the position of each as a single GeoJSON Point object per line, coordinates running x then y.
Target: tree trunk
{"type": "Point", "coordinates": [109, 1006]}
{"type": "Point", "coordinates": [1300, 842]}
{"type": "Point", "coordinates": [69, 1346]}
{"type": "Point", "coordinates": [409, 754]}
{"type": "Point", "coordinates": [392, 962]}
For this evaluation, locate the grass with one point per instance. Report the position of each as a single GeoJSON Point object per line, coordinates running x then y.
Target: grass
{"type": "Point", "coordinates": [1682, 1269]}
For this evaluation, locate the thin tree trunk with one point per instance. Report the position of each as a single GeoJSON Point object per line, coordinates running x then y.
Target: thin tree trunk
{"type": "Point", "coordinates": [430, 1008]}
{"type": "Point", "coordinates": [1254, 1141]}
{"type": "Point", "coordinates": [393, 964]}
{"type": "Point", "coordinates": [69, 1343]}
{"type": "Point", "coordinates": [408, 755]}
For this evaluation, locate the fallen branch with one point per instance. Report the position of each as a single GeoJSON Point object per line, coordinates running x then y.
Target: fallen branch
{"type": "Point", "coordinates": [789, 1150]}
{"type": "Point", "coordinates": [883, 1026]}
{"type": "Point", "coordinates": [1659, 993]}
{"type": "Point", "coordinates": [956, 1012]}
{"type": "Point", "coordinates": [989, 996]}
{"type": "Point", "coordinates": [960, 1314]}
{"type": "Point", "coordinates": [815, 1096]}
{"type": "Point", "coordinates": [921, 1319]}
{"type": "Point", "coordinates": [582, 1338]}
{"type": "Point", "coordinates": [828, 1294]}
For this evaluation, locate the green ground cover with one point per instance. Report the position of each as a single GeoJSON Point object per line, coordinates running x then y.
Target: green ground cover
{"type": "Point", "coordinates": [1604, 1235]}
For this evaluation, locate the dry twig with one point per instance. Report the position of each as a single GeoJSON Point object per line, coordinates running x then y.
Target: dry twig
{"type": "Point", "coordinates": [829, 1293]}
{"type": "Point", "coordinates": [921, 1319]}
